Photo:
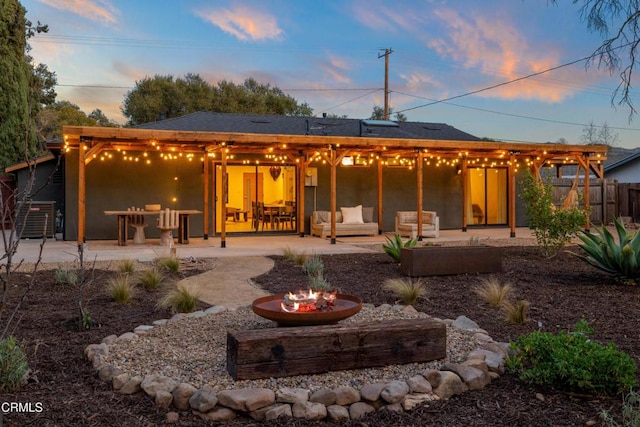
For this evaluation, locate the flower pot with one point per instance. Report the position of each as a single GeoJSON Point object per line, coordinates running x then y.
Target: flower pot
{"type": "Point", "coordinates": [449, 260]}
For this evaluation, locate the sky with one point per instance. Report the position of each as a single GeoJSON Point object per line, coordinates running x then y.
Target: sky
{"type": "Point", "coordinates": [330, 54]}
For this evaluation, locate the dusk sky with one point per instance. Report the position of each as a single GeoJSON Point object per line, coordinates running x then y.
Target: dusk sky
{"type": "Point", "coordinates": [326, 53]}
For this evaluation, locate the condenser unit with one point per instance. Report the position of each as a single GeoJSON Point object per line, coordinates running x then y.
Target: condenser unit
{"type": "Point", "coordinates": [33, 216]}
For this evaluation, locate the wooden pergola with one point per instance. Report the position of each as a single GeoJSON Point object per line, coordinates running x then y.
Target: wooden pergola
{"type": "Point", "coordinates": [303, 150]}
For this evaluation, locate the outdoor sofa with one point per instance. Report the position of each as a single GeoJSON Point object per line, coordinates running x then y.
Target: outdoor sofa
{"type": "Point", "coordinates": [350, 221]}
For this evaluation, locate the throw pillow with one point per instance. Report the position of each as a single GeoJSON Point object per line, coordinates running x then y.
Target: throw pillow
{"type": "Point", "coordinates": [324, 216]}
{"type": "Point", "coordinates": [367, 214]}
{"type": "Point", "coordinates": [352, 215]}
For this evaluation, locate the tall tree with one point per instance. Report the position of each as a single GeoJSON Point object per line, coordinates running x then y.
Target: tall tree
{"type": "Point", "coordinates": [618, 22]}
{"type": "Point", "coordinates": [51, 118]}
{"type": "Point", "coordinates": [17, 128]}
{"type": "Point", "coordinates": [163, 97]}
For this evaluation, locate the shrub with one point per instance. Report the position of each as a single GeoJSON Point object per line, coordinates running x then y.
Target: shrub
{"type": "Point", "coordinates": [297, 257]}
{"type": "Point", "coordinates": [120, 289]}
{"type": "Point", "coordinates": [492, 291]}
{"type": "Point", "coordinates": [621, 258]}
{"type": "Point", "coordinates": [313, 266]}
{"type": "Point", "coordinates": [150, 278]}
{"type": "Point", "coordinates": [630, 412]}
{"type": "Point", "coordinates": [394, 246]}
{"type": "Point", "coordinates": [553, 227]}
{"type": "Point", "coordinates": [516, 313]}
{"type": "Point", "coordinates": [170, 263]}
{"type": "Point", "coordinates": [14, 368]}
{"type": "Point", "coordinates": [127, 266]}
{"type": "Point", "coordinates": [570, 361]}
{"type": "Point", "coordinates": [180, 300]}
{"type": "Point", "coordinates": [408, 289]}
{"type": "Point", "coordinates": [319, 283]}
{"type": "Point", "coordinates": [66, 276]}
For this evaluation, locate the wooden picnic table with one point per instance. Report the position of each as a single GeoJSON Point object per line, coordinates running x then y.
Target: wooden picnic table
{"type": "Point", "coordinates": [123, 223]}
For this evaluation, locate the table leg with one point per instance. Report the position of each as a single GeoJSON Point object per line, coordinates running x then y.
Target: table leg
{"type": "Point", "coordinates": [183, 229]}
{"type": "Point", "coordinates": [123, 224]}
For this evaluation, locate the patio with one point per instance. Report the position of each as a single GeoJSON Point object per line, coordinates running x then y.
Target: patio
{"type": "Point", "coordinates": [57, 251]}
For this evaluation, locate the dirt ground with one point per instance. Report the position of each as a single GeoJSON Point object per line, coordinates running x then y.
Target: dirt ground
{"type": "Point", "coordinates": [560, 291]}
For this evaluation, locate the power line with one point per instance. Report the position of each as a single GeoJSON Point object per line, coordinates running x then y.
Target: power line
{"type": "Point", "coordinates": [350, 100]}
{"type": "Point", "coordinates": [528, 76]}
{"type": "Point", "coordinates": [515, 115]}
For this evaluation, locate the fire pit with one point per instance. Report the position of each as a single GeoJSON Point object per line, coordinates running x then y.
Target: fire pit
{"type": "Point", "coordinates": [307, 308]}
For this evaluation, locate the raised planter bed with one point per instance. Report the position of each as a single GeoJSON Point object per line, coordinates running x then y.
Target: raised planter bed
{"type": "Point", "coordinates": [449, 260]}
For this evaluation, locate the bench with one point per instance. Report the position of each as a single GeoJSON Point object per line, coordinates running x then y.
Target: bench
{"type": "Point", "coordinates": [287, 351]}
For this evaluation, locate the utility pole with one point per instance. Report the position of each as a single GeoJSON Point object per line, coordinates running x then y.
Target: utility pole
{"type": "Point", "coordinates": [386, 54]}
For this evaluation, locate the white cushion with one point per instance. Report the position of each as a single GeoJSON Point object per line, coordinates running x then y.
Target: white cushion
{"type": "Point", "coordinates": [352, 215]}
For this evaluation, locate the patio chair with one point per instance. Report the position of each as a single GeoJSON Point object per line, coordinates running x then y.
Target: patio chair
{"type": "Point", "coordinates": [167, 222]}
{"type": "Point", "coordinates": [139, 223]}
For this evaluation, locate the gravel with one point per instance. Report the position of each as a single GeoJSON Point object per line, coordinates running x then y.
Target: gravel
{"type": "Point", "coordinates": [193, 350]}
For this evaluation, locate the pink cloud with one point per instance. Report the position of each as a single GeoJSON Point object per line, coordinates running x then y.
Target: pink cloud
{"type": "Point", "coordinates": [95, 10]}
{"type": "Point", "coordinates": [380, 17]}
{"type": "Point", "coordinates": [244, 23]}
{"type": "Point", "coordinates": [496, 49]}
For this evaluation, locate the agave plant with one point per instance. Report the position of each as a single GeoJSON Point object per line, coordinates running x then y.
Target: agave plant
{"type": "Point", "coordinates": [394, 246]}
{"type": "Point", "coordinates": [621, 257]}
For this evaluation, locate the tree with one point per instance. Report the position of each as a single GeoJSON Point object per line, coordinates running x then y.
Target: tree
{"type": "Point", "coordinates": [593, 134]}
{"type": "Point", "coordinates": [50, 120]}
{"type": "Point", "coordinates": [618, 22]}
{"type": "Point", "coordinates": [378, 114]}
{"type": "Point", "coordinates": [14, 84]}
{"type": "Point", "coordinates": [158, 97]}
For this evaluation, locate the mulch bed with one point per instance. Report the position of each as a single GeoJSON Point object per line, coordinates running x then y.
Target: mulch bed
{"type": "Point", "coordinates": [560, 291]}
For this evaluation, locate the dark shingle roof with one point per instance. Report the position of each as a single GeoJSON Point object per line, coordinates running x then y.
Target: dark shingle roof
{"type": "Point", "coordinates": [205, 121]}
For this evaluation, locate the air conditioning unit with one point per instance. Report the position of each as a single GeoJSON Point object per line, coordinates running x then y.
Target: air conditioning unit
{"type": "Point", "coordinates": [32, 217]}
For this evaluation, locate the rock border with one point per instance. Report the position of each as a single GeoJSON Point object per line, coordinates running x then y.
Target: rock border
{"type": "Point", "coordinates": [483, 364]}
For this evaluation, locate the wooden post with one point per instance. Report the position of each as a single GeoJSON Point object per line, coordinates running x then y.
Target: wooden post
{"type": "Point", "coordinates": [587, 168]}
{"type": "Point", "coordinates": [223, 203]}
{"type": "Point", "coordinates": [333, 195]}
{"type": "Point", "coordinates": [465, 193]}
{"type": "Point", "coordinates": [205, 209]}
{"type": "Point", "coordinates": [511, 178]}
{"type": "Point", "coordinates": [379, 195]}
{"type": "Point", "coordinates": [81, 194]}
{"type": "Point", "coordinates": [419, 196]}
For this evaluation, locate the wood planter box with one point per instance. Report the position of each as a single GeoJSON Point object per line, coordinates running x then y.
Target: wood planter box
{"type": "Point", "coordinates": [449, 260]}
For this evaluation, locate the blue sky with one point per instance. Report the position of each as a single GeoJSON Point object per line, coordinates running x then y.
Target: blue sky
{"type": "Point", "coordinates": [326, 53]}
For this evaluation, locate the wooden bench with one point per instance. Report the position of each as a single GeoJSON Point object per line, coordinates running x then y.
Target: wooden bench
{"type": "Point", "coordinates": [281, 352]}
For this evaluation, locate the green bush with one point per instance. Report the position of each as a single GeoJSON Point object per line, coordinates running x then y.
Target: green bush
{"type": "Point", "coordinates": [150, 278]}
{"type": "Point", "coordinates": [14, 368]}
{"type": "Point", "coordinates": [66, 276]}
{"type": "Point", "coordinates": [313, 266]}
{"type": "Point", "coordinates": [553, 227]}
{"type": "Point", "coordinates": [410, 290]}
{"type": "Point", "coordinates": [319, 283]}
{"type": "Point", "coordinates": [394, 246]}
{"type": "Point", "coordinates": [180, 300]}
{"type": "Point", "coordinates": [120, 289]}
{"type": "Point", "coordinates": [570, 361]}
{"type": "Point", "coordinates": [127, 266]}
{"type": "Point", "coordinates": [620, 258]}
{"type": "Point", "coordinates": [170, 263]}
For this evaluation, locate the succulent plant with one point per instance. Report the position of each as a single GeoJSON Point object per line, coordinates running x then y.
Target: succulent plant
{"type": "Point", "coordinates": [394, 246]}
{"type": "Point", "coordinates": [620, 257]}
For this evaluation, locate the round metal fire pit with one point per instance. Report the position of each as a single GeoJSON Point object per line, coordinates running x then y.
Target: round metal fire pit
{"type": "Point", "coordinates": [269, 307]}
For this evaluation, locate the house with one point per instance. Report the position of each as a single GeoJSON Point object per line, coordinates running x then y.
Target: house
{"type": "Point", "coordinates": [221, 163]}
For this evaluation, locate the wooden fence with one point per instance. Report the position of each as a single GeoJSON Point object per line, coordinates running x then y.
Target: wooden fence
{"type": "Point", "coordinates": [629, 201]}
{"type": "Point", "coordinates": [603, 197]}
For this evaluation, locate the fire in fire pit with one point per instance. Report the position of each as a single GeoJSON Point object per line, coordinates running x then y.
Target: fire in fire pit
{"type": "Point", "coordinates": [307, 308]}
{"type": "Point", "coordinates": [303, 302]}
